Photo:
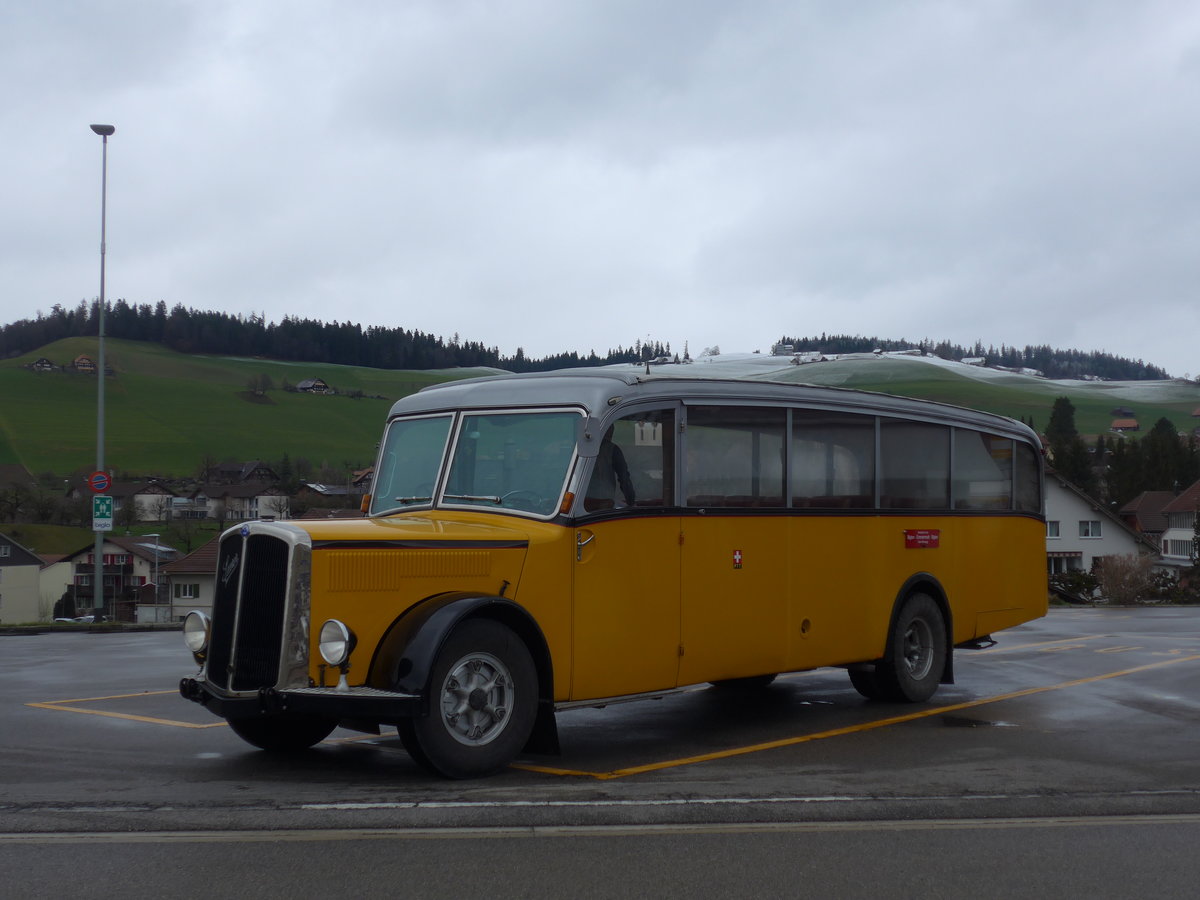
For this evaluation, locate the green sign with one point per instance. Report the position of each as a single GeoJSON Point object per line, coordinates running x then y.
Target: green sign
{"type": "Point", "coordinates": [102, 513]}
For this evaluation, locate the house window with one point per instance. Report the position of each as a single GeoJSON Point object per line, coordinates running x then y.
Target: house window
{"type": "Point", "coordinates": [1052, 529]}
{"type": "Point", "coordinates": [1060, 565]}
{"type": "Point", "coordinates": [186, 591]}
{"type": "Point", "coordinates": [1089, 528]}
{"type": "Point", "coordinates": [5, 550]}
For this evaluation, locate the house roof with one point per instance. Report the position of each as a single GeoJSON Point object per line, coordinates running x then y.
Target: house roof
{"type": "Point", "coordinates": [246, 489]}
{"type": "Point", "coordinates": [1146, 509]}
{"type": "Point", "coordinates": [140, 546]}
{"type": "Point", "coordinates": [1187, 501]}
{"type": "Point", "coordinates": [21, 556]}
{"type": "Point", "coordinates": [132, 488]}
{"type": "Point", "coordinates": [202, 560]}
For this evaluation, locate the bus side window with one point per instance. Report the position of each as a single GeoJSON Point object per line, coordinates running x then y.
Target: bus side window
{"type": "Point", "coordinates": [1029, 487]}
{"type": "Point", "coordinates": [833, 460]}
{"type": "Point", "coordinates": [914, 465]}
{"type": "Point", "coordinates": [983, 470]}
{"type": "Point", "coordinates": [735, 456]}
{"type": "Point", "coordinates": [635, 465]}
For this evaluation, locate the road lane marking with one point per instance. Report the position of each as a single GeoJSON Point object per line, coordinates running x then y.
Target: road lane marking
{"type": "Point", "coordinates": [1040, 644]}
{"type": "Point", "coordinates": [61, 706]}
{"type": "Point", "coordinates": [849, 729]}
{"type": "Point", "coordinates": [542, 831]}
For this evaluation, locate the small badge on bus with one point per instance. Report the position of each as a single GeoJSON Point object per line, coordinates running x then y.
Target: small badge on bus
{"type": "Point", "coordinates": [737, 559]}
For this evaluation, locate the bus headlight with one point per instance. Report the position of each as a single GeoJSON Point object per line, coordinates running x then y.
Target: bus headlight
{"type": "Point", "coordinates": [336, 643]}
{"type": "Point", "coordinates": [196, 631]}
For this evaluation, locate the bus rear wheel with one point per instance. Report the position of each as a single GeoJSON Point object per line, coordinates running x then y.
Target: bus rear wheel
{"type": "Point", "coordinates": [483, 702]}
{"type": "Point", "coordinates": [912, 667]}
{"type": "Point", "coordinates": [283, 733]}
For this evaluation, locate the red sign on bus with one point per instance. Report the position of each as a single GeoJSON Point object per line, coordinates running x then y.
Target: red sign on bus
{"type": "Point", "coordinates": [920, 538]}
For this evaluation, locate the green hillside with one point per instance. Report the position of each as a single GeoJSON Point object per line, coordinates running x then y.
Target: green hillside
{"type": "Point", "coordinates": [1010, 395]}
{"type": "Point", "coordinates": [166, 411]}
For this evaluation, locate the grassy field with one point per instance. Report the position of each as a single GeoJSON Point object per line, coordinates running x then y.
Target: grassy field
{"type": "Point", "coordinates": [1016, 396]}
{"type": "Point", "coordinates": [166, 411]}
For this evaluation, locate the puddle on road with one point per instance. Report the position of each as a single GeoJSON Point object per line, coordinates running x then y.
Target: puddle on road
{"type": "Point", "coordinates": [965, 722]}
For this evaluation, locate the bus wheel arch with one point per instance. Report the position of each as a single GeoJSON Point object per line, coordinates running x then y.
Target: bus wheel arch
{"type": "Point", "coordinates": [483, 702]}
{"type": "Point", "coordinates": [416, 642]}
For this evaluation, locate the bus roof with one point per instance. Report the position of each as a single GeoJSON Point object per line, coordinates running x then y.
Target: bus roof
{"type": "Point", "coordinates": [598, 390]}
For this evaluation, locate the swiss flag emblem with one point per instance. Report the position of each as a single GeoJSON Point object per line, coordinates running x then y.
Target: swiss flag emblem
{"type": "Point", "coordinates": [737, 559]}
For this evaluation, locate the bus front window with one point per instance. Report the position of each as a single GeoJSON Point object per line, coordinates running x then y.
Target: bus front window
{"type": "Point", "coordinates": [515, 461]}
{"type": "Point", "coordinates": [408, 466]}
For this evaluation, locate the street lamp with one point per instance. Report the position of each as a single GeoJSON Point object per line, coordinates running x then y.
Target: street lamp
{"type": "Point", "coordinates": [104, 131]}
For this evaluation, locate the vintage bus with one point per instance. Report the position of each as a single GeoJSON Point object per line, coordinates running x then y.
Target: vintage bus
{"type": "Point", "coordinates": [539, 541]}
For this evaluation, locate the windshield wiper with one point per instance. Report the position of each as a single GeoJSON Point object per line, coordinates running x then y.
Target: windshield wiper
{"type": "Point", "coordinates": [495, 500]}
{"type": "Point", "coordinates": [412, 499]}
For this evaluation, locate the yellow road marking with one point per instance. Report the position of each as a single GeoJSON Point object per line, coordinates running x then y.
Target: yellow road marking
{"type": "Point", "coordinates": [849, 729]}
{"type": "Point", "coordinates": [1060, 641]}
{"type": "Point", "coordinates": [61, 706]}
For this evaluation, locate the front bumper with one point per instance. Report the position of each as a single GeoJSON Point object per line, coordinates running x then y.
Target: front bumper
{"type": "Point", "coordinates": [358, 703]}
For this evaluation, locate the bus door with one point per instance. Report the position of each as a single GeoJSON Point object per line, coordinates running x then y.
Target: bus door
{"type": "Point", "coordinates": [626, 622]}
{"type": "Point", "coordinates": [734, 605]}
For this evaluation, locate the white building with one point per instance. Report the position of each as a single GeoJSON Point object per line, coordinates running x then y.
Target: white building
{"type": "Point", "coordinates": [20, 584]}
{"type": "Point", "coordinates": [1080, 530]}
{"type": "Point", "coordinates": [1178, 541]}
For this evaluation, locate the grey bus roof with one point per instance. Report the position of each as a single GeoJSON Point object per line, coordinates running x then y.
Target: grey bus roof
{"type": "Point", "coordinates": [598, 390]}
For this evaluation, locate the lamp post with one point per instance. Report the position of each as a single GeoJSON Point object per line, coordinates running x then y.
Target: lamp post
{"type": "Point", "coordinates": [104, 131]}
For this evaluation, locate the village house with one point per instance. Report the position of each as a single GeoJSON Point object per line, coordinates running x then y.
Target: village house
{"type": "Point", "coordinates": [1081, 532]}
{"type": "Point", "coordinates": [237, 502]}
{"type": "Point", "coordinates": [1144, 514]}
{"type": "Point", "coordinates": [1179, 539]}
{"type": "Point", "coordinates": [131, 564]}
{"type": "Point", "coordinates": [150, 500]}
{"type": "Point", "coordinates": [20, 585]}
{"type": "Point", "coordinates": [192, 581]}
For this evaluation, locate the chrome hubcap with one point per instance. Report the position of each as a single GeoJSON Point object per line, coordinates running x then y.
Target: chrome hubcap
{"type": "Point", "coordinates": [476, 698]}
{"type": "Point", "coordinates": [918, 649]}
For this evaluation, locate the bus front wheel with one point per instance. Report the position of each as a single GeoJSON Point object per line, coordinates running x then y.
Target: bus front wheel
{"type": "Point", "coordinates": [916, 654]}
{"type": "Point", "coordinates": [483, 702]}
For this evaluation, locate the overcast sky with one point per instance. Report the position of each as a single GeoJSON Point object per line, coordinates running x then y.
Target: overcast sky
{"type": "Point", "coordinates": [560, 175]}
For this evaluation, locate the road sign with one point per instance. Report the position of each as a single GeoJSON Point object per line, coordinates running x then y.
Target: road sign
{"type": "Point", "coordinates": [99, 482]}
{"type": "Point", "coordinates": [102, 513]}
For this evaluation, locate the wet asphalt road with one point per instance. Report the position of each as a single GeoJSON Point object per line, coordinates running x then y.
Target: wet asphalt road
{"type": "Point", "coordinates": [1078, 734]}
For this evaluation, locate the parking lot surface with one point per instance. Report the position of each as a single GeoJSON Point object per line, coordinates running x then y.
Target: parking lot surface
{"type": "Point", "coordinates": [1085, 712]}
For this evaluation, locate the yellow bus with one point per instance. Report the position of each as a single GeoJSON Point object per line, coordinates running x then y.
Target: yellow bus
{"type": "Point", "coordinates": [539, 541]}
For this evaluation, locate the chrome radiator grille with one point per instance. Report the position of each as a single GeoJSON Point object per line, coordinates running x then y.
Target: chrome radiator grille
{"type": "Point", "coordinates": [250, 611]}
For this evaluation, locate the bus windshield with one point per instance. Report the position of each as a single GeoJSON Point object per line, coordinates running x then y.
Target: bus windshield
{"type": "Point", "coordinates": [408, 466]}
{"type": "Point", "coordinates": [516, 461]}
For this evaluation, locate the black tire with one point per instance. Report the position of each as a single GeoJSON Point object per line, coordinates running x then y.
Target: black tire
{"type": "Point", "coordinates": [283, 733]}
{"type": "Point", "coordinates": [749, 683]}
{"type": "Point", "coordinates": [483, 703]}
{"type": "Point", "coordinates": [912, 667]}
{"type": "Point", "coordinates": [866, 682]}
